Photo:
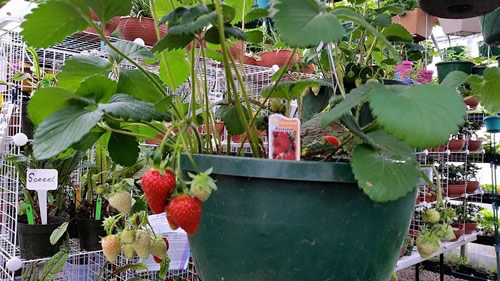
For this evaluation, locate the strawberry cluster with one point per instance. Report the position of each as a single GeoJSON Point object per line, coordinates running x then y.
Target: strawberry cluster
{"type": "Point", "coordinates": [183, 209]}
{"type": "Point", "coordinates": [283, 146]}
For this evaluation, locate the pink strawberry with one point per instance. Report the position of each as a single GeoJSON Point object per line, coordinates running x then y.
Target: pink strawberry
{"type": "Point", "coordinates": [332, 140]}
{"type": "Point", "coordinates": [157, 187]}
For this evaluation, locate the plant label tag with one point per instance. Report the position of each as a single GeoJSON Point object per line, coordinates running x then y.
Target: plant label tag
{"type": "Point", "coordinates": [284, 138]}
{"type": "Point", "coordinates": [42, 180]}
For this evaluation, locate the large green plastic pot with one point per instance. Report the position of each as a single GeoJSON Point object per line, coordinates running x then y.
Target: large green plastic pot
{"type": "Point", "coordinates": [490, 26]}
{"type": "Point", "coordinates": [443, 68]}
{"type": "Point", "coordinates": [273, 220]}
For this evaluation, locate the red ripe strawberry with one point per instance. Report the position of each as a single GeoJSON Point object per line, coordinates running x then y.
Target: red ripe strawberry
{"type": "Point", "coordinates": [157, 260]}
{"type": "Point", "coordinates": [332, 140]}
{"type": "Point", "coordinates": [157, 188]}
{"type": "Point", "coordinates": [171, 222]}
{"type": "Point", "coordinates": [185, 211]}
{"type": "Point", "coordinates": [290, 155]}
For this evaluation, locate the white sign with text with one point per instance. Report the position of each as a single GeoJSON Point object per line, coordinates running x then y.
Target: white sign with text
{"type": "Point", "coordinates": [42, 180]}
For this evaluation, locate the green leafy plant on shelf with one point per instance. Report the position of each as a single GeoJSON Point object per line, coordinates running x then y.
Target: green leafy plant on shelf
{"type": "Point", "coordinates": [87, 106]}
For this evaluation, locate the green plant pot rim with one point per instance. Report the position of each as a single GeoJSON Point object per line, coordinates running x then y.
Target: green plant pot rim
{"type": "Point", "coordinates": [272, 169]}
{"type": "Point", "coordinates": [455, 62]}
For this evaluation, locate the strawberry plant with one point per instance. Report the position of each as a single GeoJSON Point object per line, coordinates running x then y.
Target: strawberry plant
{"type": "Point", "coordinates": [373, 126]}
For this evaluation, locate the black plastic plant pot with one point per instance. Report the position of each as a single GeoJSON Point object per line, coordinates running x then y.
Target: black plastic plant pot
{"type": "Point", "coordinates": [490, 26]}
{"type": "Point", "coordinates": [73, 229]}
{"type": "Point", "coordinates": [27, 126]}
{"type": "Point", "coordinates": [90, 232]}
{"type": "Point", "coordinates": [274, 220]}
{"type": "Point", "coordinates": [34, 240]}
{"type": "Point", "coordinates": [458, 9]}
{"type": "Point", "coordinates": [444, 68]}
{"type": "Point", "coordinates": [478, 70]}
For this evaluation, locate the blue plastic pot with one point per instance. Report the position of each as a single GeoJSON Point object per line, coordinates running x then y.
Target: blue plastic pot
{"type": "Point", "coordinates": [264, 4]}
{"type": "Point", "coordinates": [492, 124]}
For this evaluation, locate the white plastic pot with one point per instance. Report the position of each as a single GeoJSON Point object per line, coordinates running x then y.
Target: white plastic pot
{"type": "Point", "coordinates": [460, 27]}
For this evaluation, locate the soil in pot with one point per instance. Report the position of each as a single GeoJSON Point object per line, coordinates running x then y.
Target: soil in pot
{"type": "Point", "coordinates": [491, 28]}
{"type": "Point", "coordinates": [472, 186]}
{"type": "Point", "coordinates": [474, 145]}
{"type": "Point", "coordinates": [472, 102]}
{"type": "Point", "coordinates": [458, 9]}
{"type": "Point", "coordinates": [90, 232]}
{"type": "Point", "coordinates": [277, 57]}
{"type": "Point", "coordinates": [456, 145]}
{"type": "Point", "coordinates": [492, 123]}
{"type": "Point", "coordinates": [34, 240]}
{"type": "Point", "coordinates": [456, 190]}
{"type": "Point", "coordinates": [417, 22]}
{"type": "Point", "coordinates": [144, 28]}
{"type": "Point", "coordinates": [444, 68]}
{"type": "Point", "coordinates": [270, 209]}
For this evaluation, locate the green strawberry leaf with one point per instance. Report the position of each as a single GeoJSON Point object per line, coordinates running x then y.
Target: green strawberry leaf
{"type": "Point", "coordinates": [130, 109]}
{"type": "Point", "coordinates": [422, 116]}
{"type": "Point", "coordinates": [292, 89]}
{"type": "Point", "coordinates": [62, 129]}
{"type": "Point", "coordinates": [386, 174]}
{"type": "Point", "coordinates": [305, 24]}
{"type": "Point", "coordinates": [137, 84]}
{"type": "Point", "coordinates": [46, 101]}
{"type": "Point", "coordinates": [354, 98]}
{"type": "Point", "coordinates": [486, 88]}
{"type": "Point", "coordinates": [130, 49]}
{"type": "Point", "coordinates": [107, 9]}
{"type": "Point", "coordinates": [454, 79]}
{"type": "Point", "coordinates": [100, 88]}
{"type": "Point", "coordinates": [397, 33]}
{"type": "Point", "coordinates": [123, 150]}
{"type": "Point", "coordinates": [256, 14]}
{"type": "Point", "coordinates": [52, 21]}
{"type": "Point", "coordinates": [232, 121]}
{"type": "Point", "coordinates": [174, 68]}
{"type": "Point", "coordinates": [212, 34]}
{"type": "Point", "coordinates": [242, 7]}
{"type": "Point", "coordinates": [78, 68]}
{"type": "Point", "coordinates": [172, 42]}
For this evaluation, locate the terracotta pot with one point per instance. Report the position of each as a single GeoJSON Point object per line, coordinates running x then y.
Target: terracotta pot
{"type": "Point", "coordinates": [431, 198]}
{"type": "Point", "coordinates": [468, 227]}
{"type": "Point", "coordinates": [219, 125]}
{"type": "Point", "coordinates": [403, 250]}
{"type": "Point", "coordinates": [249, 60]}
{"type": "Point", "coordinates": [417, 22]}
{"type": "Point", "coordinates": [238, 48]}
{"type": "Point", "coordinates": [456, 145]}
{"type": "Point", "coordinates": [237, 139]}
{"type": "Point", "coordinates": [458, 233]}
{"type": "Point", "coordinates": [309, 69]}
{"type": "Point", "coordinates": [456, 190]}
{"type": "Point", "coordinates": [108, 27]}
{"type": "Point", "coordinates": [425, 76]}
{"type": "Point", "coordinates": [270, 58]}
{"type": "Point", "coordinates": [472, 102]}
{"type": "Point", "coordinates": [472, 186]}
{"type": "Point", "coordinates": [440, 148]}
{"type": "Point", "coordinates": [198, 44]}
{"type": "Point", "coordinates": [460, 27]}
{"type": "Point", "coordinates": [474, 145]}
{"type": "Point", "coordinates": [144, 28]}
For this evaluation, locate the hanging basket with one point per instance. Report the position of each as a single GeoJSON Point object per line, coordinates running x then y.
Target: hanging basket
{"type": "Point", "coordinates": [458, 9]}
{"type": "Point", "coordinates": [417, 22]}
{"type": "Point", "coordinates": [460, 27]}
{"type": "Point", "coordinates": [490, 25]}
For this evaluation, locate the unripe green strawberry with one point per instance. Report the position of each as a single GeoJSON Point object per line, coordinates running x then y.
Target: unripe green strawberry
{"type": "Point", "coordinates": [315, 90]}
{"type": "Point", "coordinates": [427, 244]}
{"type": "Point", "coordinates": [122, 201]}
{"type": "Point", "coordinates": [159, 248]}
{"type": "Point", "coordinates": [128, 251]}
{"type": "Point", "coordinates": [127, 236]}
{"type": "Point", "coordinates": [142, 244]}
{"type": "Point", "coordinates": [100, 190]}
{"type": "Point", "coordinates": [431, 216]}
{"type": "Point", "coordinates": [110, 247]}
{"type": "Point", "coordinates": [202, 185]}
